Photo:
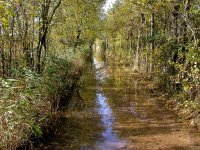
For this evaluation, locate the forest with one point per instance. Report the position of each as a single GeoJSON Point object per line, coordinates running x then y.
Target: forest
{"type": "Point", "coordinates": [47, 46]}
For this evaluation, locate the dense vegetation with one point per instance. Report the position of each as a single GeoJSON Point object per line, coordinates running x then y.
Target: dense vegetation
{"type": "Point", "coordinates": [44, 43]}
{"type": "Point", "coordinates": [159, 38]}
{"type": "Point", "coordinates": [43, 46]}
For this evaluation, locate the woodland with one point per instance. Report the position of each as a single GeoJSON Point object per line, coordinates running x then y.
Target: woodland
{"type": "Point", "coordinates": [45, 44]}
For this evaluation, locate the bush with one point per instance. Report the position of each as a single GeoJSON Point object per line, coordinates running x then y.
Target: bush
{"type": "Point", "coordinates": [29, 102]}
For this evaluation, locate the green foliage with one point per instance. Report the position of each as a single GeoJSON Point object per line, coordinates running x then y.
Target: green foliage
{"type": "Point", "coordinates": [190, 71]}
{"type": "Point", "coordinates": [37, 66]}
{"type": "Point", "coordinates": [27, 102]}
{"type": "Point", "coordinates": [79, 23]}
{"type": "Point", "coordinates": [5, 13]}
{"type": "Point", "coordinates": [160, 37]}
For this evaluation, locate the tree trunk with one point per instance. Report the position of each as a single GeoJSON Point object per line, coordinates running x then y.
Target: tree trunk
{"type": "Point", "coordinates": [153, 31]}
{"type": "Point", "coordinates": [186, 17]}
{"type": "Point", "coordinates": [106, 44]}
{"type": "Point", "coordinates": [43, 30]}
{"type": "Point", "coordinates": [151, 69]}
{"type": "Point", "coordinates": [11, 45]}
{"type": "Point", "coordinates": [176, 34]}
{"type": "Point", "coordinates": [77, 39]}
{"type": "Point", "coordinates": [2, 54]}
{"type": "Point", "coordinates": [136, 63]}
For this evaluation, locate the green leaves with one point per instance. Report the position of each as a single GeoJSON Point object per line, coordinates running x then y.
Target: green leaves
{"type": "Point", "coordinates": [193, 55]}
{"type": "Point", "coordinates": [79, 23]}
{"type": "Point", "coordinates": [19, 103]}
{"type": "Point", "coordinates": [37, 131]}
{"type": "Point", "coordinates": [5, 13]}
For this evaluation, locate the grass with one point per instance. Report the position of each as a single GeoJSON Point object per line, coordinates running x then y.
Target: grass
{"type": "Point", "coordinates": [30, 101]}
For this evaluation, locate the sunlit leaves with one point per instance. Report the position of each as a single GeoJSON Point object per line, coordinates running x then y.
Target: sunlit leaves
{"type": "Point", "coordinates": [5, 13]}
{"type": "Point", "coordinates": [77, 17]}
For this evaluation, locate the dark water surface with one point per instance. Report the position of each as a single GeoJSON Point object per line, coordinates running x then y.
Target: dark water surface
{"type": "Point", "coordinates": [117, 112]}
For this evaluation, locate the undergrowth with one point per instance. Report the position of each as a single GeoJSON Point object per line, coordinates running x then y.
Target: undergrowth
{"type": "Point", "coordinates": [29, 101]}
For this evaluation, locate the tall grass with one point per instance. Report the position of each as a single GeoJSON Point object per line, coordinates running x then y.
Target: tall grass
{"type": "Point", "coordinates": [30, 101]}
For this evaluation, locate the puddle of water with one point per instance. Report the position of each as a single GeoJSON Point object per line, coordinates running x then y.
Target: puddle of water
{"type": "Point", "coordinates": [119, 113]}
{"type": "Point", "coordinates": [111, 141]}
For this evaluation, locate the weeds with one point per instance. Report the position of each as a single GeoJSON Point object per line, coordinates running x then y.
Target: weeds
{"type": "Point", "coordinates": [29, 102]}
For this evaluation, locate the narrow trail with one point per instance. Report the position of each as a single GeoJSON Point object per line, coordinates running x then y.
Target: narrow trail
{"type": "Point", "coordinates": [119, 113]}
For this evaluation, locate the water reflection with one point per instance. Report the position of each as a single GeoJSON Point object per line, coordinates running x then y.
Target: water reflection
{"type": "Point", "coordinates": [111, 141]}
{"type": "Point", "coordinates": [119, 112]}
{"type": "Point", "coordinates": [100, 69]}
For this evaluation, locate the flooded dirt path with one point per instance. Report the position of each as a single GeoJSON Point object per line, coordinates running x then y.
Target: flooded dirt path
{"type": "Point", "coordinates": [117, 112]}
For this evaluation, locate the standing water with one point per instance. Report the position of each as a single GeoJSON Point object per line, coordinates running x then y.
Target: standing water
{"type": "Point", "coordinates": [117, 112]}
{"type": "Point", "coordinates": [111, 141]}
